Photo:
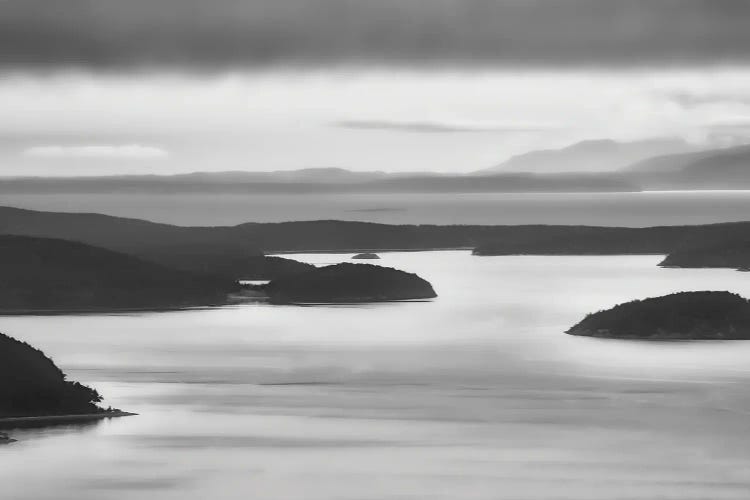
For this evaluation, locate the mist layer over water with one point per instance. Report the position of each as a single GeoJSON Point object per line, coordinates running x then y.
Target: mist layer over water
{"type": "Point", "coordinates": [603, 209]}
{"type": "Point", "coordinates": [477, 394]}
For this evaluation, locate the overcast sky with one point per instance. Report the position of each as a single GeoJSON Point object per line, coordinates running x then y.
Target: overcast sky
{"type": "Point", "coordinates": [162, 86]}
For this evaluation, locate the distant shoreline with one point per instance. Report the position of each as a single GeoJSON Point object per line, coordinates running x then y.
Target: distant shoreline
{"type": "Point", "coordinates": [271, 253]}
{"type": "Point", "coordinates": [619, 254]}
{"type": "Point", "coordinates": [15, 422]}
{"type": "Point", "coordinates": [103, 310]}
{"type": "Point", "coordinates": [454, 249]}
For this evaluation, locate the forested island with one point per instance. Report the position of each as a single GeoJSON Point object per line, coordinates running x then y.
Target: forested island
{"type": "Point", "coordinates": [365, 256]}
{"type": "Point", "coordinates": [348, 282]}
{"type": "Point", "coordinates": [704, 315]}
{"type": "Point", "coordinates": [43, 274]}
{"type": "Point", "coordinates": [259, 267]}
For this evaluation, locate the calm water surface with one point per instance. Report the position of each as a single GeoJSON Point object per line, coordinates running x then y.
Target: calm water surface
{"type": "Point", "coordinates": [603, 209]}
{"type": "Point", "coordinates": [475, 395]}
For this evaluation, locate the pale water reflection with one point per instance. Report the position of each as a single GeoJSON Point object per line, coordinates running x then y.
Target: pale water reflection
{"type": "Point", "coordinates": [477, 394]}
{"type": "Point", "coordinates": [601, 209]}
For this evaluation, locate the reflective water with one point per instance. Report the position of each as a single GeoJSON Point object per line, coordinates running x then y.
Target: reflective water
{"type": "Point", "coordinates": [604, 209]}
{"type": "Point", "coordinates": [477, 394]}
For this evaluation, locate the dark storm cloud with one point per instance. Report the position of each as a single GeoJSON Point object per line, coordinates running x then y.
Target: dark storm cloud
{"type": "Point", "coordinates": [202, 34]}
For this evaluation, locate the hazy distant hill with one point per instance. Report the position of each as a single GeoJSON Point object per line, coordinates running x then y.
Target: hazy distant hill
{"type": "Point", "coordinates": [727, 168]}
{"type": "Point", "coordinates": [313, 175]}
{"type": "Point", "coordinates": [332, 235]}
{"type": "Point", "coordinates": [123, 234]}
{"type": "Point", "coordinates": [668, 163]}
{"type": "Point", "coordinates": [292, 181]}
{"type": "Point", "coordinates": [219, 251]}
{"type": "Point", "coordinates": [52, 274]}
{"type": "Point", "coordinates": [591, 156]}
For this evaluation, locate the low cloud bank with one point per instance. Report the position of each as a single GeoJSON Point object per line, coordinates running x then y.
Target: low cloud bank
{"type": "Point", "coordinates": [127, 151]}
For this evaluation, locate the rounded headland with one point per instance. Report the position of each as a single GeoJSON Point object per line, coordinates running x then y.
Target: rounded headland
{"type": "Point", "coordinates": [35, 391]}
{"type": "Point", "coordinates": [732, 255]}
{"type": "Point", "coordinates": [704, 315]}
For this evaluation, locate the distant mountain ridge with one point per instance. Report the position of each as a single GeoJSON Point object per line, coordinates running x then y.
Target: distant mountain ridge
{"type": "Point", "coordinates": [313, 174]}
{"type": "Point", "coordinates": [668, 163]}
{"type": "Point", "coordinates": [602, 165]}
{"type": "Point", "coordinates": [600, 155]}
{"type": "Point", "coordinates": [726, 168]}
